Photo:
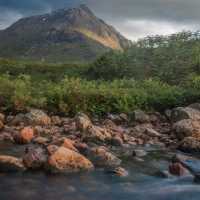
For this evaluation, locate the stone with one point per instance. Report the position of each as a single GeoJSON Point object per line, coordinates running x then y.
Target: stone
{"type": "Point", "coordinates": [140, 116]}
{"type": "Point", "coordinates": [97, 134]}
{"type": "Point", "coordinates": [41, 140]}
{"type": "Point", "coordinates": [117, 141]}
{"type": "Point", "coordinates": [11, 164]}
{"type": "Point", "coordinates": [56, 120]}
{"type": "Point", "coordinates": [119, 171]}
{"type": "Point", "coordinates": [83, 122]}
{"type": "Point", "coordinates": [64, 160]}
{"type": "Point", "coordinates": [139, 153]}
{"type": "Point", "coordinates": [25, 136]}
{"type": "Point", "coordinates": [38, 117]}
{"type": "Point", "coordinates": [101, 157]}
{"type": "Point", "coordinates": [181, 113]}
{"type": "Point", "coordinates": [1, 125]}
{"type": "Point", "coordinates": [177, 169]}
{"type": "Point", "coordinates": [190, 145]}
{"type": "Point", "coordinates": [69, 144]}
{"type": "Point", "coordinates": [35, 158]}
{"type": "Point", "coordinates": [152, 133]}
{"type": "Point", "coordinates": [2, 117]}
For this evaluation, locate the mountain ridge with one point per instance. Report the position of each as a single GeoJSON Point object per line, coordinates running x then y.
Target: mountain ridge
{"type": "Point", "coordinates": [74, 33]}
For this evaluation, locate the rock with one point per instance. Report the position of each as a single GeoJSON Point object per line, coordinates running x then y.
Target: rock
{"type": "Point", "coordinates": [152, 133]}
{"type": "Point", "coordinates": [185, 128]}
{"type": "Point", "coordinates": [56, 120]}
{"type": "Point", "coordinates": [69, 144]}
{"type": "Point", "coordinates": [163, 174]}
{"type": "Point", "coordinates": [101, 157]}
{"type": "Point", "coordinates": [190, 145]}
{"type": "Point", "coordinates": [97, 134]}
{"type": "Point", "coordinates": [82, 147]}
{"type": "Point", "coordinates": [177, 169]}
{"type": "Point", "coordinates": [117, 141]}
{"type": "Point", "coordinates": [140, 116]}
{"type": "Point", "coordinates": [119, 171]}
{"type": "Point", "coordinates": [2, 117]}
{"type": "Point", "coordinates": [41, 140]}
{"type": "Point", "coordinates": [1, 125]}
{"type": "Point", "coordinates": [25, 136]}
{"type": "Point", "coordinates": [139, 153]}
{"type": "Point", "coordinates": [64, 160]}
{"type": "Point", "coordinates": [195, 106]}
{"type": "Point", "coordinates": [118, 119]}
{"type": "Point", "coordinates": [38, 117]}
{"type": "Point", "coordinates": [51, 149]}
{"type": "Point", "coordinates": [181, 113]}
{"type": "Point", "coordinates": [11, 164]}
{"type": "Point", "coordinates": [83, 122]}
{"type": "Point", "coordinates": [35, 158]}
{"type": "Point", "coordinates": [17, 120]}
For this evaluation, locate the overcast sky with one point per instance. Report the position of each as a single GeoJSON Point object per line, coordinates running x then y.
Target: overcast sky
{"type": "Point", "coordinates": [133, 18]}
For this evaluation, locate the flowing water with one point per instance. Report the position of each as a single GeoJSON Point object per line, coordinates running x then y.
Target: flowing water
{"type": "Point", "coordinates": [143, 183]}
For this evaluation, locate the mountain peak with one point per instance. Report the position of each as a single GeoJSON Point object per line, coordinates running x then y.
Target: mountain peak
{"type": "Point", "coordinates": [74, 32]}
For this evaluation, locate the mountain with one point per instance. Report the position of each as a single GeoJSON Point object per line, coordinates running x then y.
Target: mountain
{"type": "Point", "coordinates": [74, 35]}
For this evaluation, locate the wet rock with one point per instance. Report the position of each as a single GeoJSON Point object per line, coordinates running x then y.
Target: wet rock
{"type": "Point", "coordinates": [118, 171]}
{"type": "Point", "coordinates": [181, 113]}
{"type": "Point", "coordinates": [117, 141]}
{"type": "Point", "coordinates": [140, 116]}
{"type": "Point", "coordinates": [190, 145]}
{"type": "Point", "coordinates": [64, 160]}
{"type": "Point", "coordinates": [25, 136]}
{"type": "Point", "coordinates": [186, 128]}
{"type": "Point", "coordinates": [35, 158]}
{"type": "Point", "coordinates": [101, 157]}
{"type": "Point", "coordinates": [177, 169]}
{"type": "Point", "coordinates": [139, 153]}
{"type": "Point", "coordinates": [11, 164]}
{"type": "Point", "coordinates": [83, 122]}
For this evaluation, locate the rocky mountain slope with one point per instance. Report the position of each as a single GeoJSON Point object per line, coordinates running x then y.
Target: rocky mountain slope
{"type": "Point", "coordinates": [74, 34]}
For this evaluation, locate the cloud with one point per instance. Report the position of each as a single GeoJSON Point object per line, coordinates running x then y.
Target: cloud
{"type": "Point", "coordinates": [134, 18]}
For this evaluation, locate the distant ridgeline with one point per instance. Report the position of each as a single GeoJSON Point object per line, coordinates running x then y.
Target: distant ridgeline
{"type": "Point", "coordinates": [65, 35]}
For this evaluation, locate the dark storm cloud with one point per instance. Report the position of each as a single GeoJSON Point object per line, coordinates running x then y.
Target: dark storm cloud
{"type": "Point", "coordinates": [134, 18]}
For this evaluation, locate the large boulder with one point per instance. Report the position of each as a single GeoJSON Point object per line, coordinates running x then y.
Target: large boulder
{"type": "Point", "coordinates": [182, 113]}
{"type": "Point", "coordinates": [64, 160]}
{"type": "Point", "coordinates": [83, 122]}
{"type": "Point", "coordinates": [35, 158]}
{"type": "Point", "coordinates": [186, 128]}
{"type": "Point", "coordinates": [101, 157]}
{"type": "Point", "coordinates": [11, 164]}
{"type": "Point", "coordinates": [25, 136]}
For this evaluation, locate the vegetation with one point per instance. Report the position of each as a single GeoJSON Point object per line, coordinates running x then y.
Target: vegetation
{"type": "Point", "coordinates": [156, 73]}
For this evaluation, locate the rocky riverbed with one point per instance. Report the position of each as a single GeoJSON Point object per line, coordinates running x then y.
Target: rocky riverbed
{"type": "Point", "coordinates": [118, 156]}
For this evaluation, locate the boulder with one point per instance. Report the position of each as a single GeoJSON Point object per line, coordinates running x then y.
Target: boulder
{"type": "Point", "coordinates": [11, 164]}
{"type": "Point", "coordinates": [117, 141]}
{"type": "Point", "coordinates": [140, 116]}
{"type": "Point", "coordinates": [190, 145]}
{"type": "Point", "coordinates": [1, 125]}
{"type": "Point", "coordinates": [195, 106]}
{"type": "Point", "coordinates": [83, 122]}
{"type": "Point", "coordinates": [101, 157]}
{"type": "Point", "coordinates": [64, 160]}
{"type": "Point", "coordinates": [25, 136]}
{"type": "Point", "coordinates": [97, 134]}
{"type": "Point", "coordinates": [181, 113]}
{"type": "Point", "coordinates": [38, 117]}
{"type": "Point", "coordinates": [35, 158]}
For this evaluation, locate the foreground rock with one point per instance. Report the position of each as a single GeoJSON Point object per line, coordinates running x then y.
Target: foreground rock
{"type": "Point", "coordinates": [35, 158]}
{"type": "Point", "coordinates": [25, 136]}
{"type": "Point", "coordinates": [64, 160]}
{"type": "Point", "coordinates": [101, 157]}
{"type": "Point", "coordinates": [11, 164]}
